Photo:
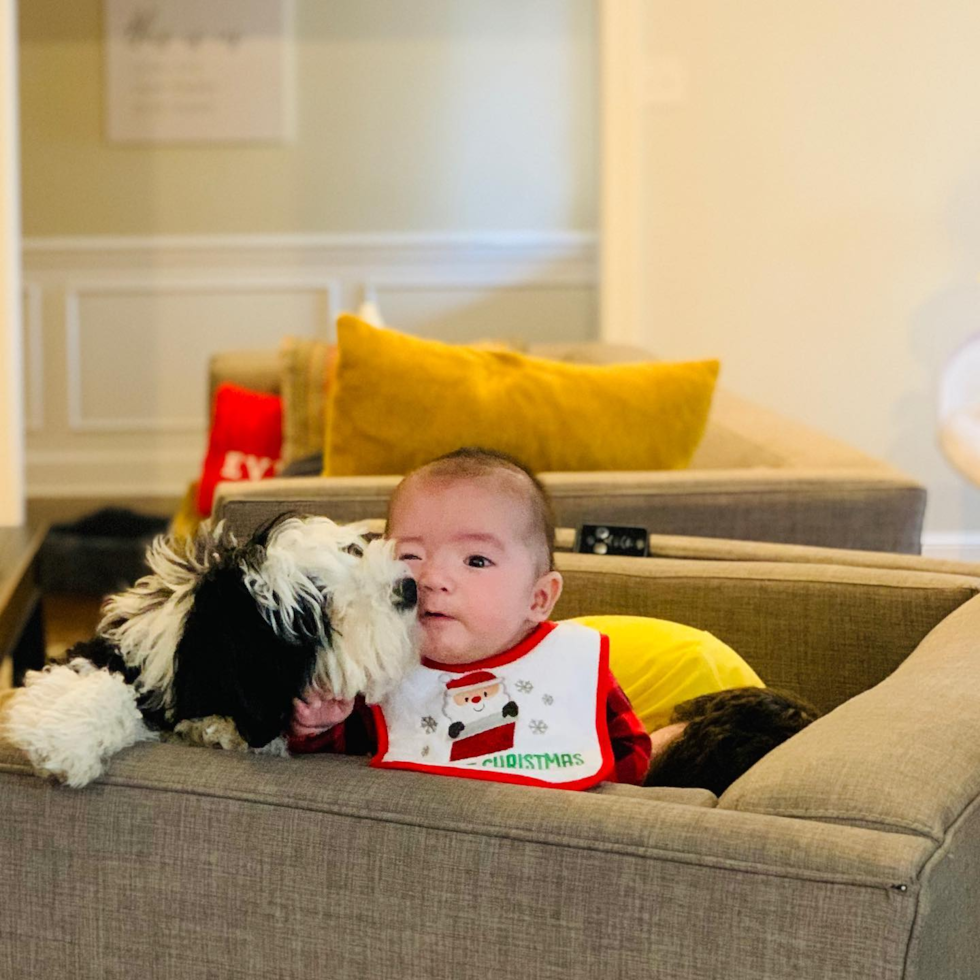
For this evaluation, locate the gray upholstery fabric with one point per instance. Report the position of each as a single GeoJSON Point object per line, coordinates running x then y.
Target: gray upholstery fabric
{"type": "Point", "coordinates": [945, 940]}
{"type": "Point", "coordinates": [840, 509]}
{"type": "Point", "coordinates": [827, 632]}
{"type": "Point", "coordinates": [661, 794]}
{"type": "Point", "coordinates": [904, 756]}
{"type": "Point", "coordinates": [190, 862]}
{"type": "Point", "coordinates": [720, 549]}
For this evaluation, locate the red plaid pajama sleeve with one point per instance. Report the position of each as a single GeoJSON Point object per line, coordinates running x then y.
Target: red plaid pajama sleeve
{"type": "Point", "coordinates": [630, 742]}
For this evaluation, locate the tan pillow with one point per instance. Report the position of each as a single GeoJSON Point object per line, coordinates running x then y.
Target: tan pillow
{"type": "Point", "coordinates": [306, 370]}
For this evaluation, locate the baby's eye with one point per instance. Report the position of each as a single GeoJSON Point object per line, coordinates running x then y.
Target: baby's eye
{"type": "Point", "coordinates": [478, 561]}
{"type": "Point", "coordinates": [408, 557]}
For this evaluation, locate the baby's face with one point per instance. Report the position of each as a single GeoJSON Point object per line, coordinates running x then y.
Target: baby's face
{"type": "Point", "coordinates": [465, 542]}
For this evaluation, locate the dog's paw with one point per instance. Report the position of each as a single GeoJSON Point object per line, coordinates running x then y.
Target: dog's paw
{"type": "Point", "coordinates": [215, 731]}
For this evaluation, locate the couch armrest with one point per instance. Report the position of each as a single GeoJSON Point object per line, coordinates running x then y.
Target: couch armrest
{"type": "Point", "coordinates": [865, 509]}
{"type": "Point", "coordinates": [903, 756]}
{"type": "Point", "coordinates": [741, 433]}
{"type": "Point", "coordinates": [723, 549]}
{"type": "Point", "coordinates": [398, 872]}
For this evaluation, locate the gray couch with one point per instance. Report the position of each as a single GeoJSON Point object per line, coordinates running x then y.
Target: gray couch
{"type": "Point", "coordinates": [852, 852]}
{"type": "Point", "coordinates": [756, 476]}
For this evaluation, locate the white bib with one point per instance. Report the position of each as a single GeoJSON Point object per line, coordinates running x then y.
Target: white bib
{"type": "Point", "coordinates": [535, 714]}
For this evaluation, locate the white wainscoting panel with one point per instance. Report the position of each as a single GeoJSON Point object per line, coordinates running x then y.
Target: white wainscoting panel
{"type": "Point", "coordinates": [462, 312]}
{"type": "Point", "coordinates": [118, 331]}
{"type": "Point", "coordinates": [33, 359]}
{"type": "Point", "coordinates": [137, 351]}
{"type": "Point", "coordinates": [952, 545]}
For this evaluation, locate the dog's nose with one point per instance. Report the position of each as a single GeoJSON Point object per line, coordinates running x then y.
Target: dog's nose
{"type": "Point", "coordinates": [406, 593]}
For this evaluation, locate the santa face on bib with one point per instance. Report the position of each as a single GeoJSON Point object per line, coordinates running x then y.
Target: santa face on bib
{"type": "Point", "coordinates": [481, 714]}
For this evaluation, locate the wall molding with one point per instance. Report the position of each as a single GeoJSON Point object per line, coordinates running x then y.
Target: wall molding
{"type": "Point", "coordinates": [75, 290]}
{"type": "Point", "coordinates": [347, 240]}
{"type": "Point", "coordinates": [34, 357]}
{"type": "Point", "coordinates": [952, 545]}
{"type": "Point", "coordinates": [78, 442]}
{"type": "Point", "coordinates": [66, 473]}
{"type": "Point", "coordinates": [444, 250]}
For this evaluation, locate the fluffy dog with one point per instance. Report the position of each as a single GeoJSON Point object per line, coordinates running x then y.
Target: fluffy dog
{"type": "Point", "coordinates": [216, 643]}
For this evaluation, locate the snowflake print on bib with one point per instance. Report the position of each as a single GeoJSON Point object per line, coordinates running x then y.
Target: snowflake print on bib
{"type": "Point", "coordinates": [535, 714]}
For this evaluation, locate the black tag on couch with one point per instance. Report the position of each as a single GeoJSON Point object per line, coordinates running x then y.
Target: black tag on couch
{"type": "Point", "coordinates": [612, 539]}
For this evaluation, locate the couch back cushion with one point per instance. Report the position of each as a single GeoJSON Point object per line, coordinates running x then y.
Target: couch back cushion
{"type": "Point", "coordinates": [400, 401]}
{"type": "Point", "coordinates": [904, 756]}
{"type": "Point", "coordinates": [826, 632]}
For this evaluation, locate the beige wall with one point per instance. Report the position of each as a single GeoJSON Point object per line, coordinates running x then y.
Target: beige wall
{"type": "Point", "coordinates": [811, 211]}
{"type": "Point", "coordinates": [444, 165]}
{"type": "Point", "coordinates": [413, 115]}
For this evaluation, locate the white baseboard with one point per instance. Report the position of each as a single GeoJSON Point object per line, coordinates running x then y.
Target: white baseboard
{"type": "Point", "coordinates": [952, 545]}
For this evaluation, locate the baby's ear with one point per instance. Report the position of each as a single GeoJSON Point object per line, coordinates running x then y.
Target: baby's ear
{"type": "Point", "coordinates": [546, 591]}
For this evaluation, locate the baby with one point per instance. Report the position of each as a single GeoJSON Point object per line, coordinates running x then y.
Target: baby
{"type": "Point", "coordinates": [502, 692]}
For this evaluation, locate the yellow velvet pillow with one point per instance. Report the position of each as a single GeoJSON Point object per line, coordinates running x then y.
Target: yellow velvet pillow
{"type": "Point", "coordinates": [399, 401]}
{"type": "Point", "coordinates": [659, 664]}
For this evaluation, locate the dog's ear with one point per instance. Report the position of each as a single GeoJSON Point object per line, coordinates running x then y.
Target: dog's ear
{"type": "Point", "coordinates": [264, 531]}
{"type": "Point", "coordinates": [231, 662]}
{"type": "Point", "coordinates": [311, 622]}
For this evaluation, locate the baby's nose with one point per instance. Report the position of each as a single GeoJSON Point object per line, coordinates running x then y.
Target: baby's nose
{"type": "Point", "coordinates": [431, 578]}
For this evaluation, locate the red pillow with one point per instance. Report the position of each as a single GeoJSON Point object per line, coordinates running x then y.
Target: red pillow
{"type": "Point", "coordinates": [245, 441]}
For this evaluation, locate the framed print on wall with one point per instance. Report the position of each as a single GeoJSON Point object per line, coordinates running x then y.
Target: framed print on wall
{"type": "Point", "coordinates": [187, 71]}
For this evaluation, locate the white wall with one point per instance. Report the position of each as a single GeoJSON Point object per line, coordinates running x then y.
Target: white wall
{"type": "Point", "coordinates": [809, 208]}
{"type": "Point", "coordinates": [412, 115]}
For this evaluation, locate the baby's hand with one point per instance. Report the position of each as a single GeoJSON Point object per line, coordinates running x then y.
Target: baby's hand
{"type": "Point", "coordinates": [315, 713]}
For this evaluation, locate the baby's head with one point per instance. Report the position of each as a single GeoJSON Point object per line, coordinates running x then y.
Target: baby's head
{"type": "Point", "coordinates": [477, 530]}
{"type": "Point", "coordinates": [716, 738]}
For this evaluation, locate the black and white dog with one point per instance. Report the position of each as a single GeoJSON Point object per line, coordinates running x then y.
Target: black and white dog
{"type": "Point", "coordinates": [216, 643]}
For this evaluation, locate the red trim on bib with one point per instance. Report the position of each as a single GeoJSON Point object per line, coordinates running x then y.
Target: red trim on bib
{"type": "Point", "coordinates": [604, 682]}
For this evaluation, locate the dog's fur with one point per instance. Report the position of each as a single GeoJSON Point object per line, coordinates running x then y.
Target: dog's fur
{"type": "Point", "coordinates": [217, 642]}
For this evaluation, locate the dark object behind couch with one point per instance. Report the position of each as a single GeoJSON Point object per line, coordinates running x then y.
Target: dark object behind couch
{"type": "Point", "coordinates": [100, 553]}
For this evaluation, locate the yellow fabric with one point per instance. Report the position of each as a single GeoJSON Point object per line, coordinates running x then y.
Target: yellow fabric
{"type": "Point", "coordinates": [307, 369]}
{"type": "Point", "coordinates": [185, 522]}
{"type": "Point", "coordinates": [659, 664]}
{"type": "Point", "coordinates": [399, 401]}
